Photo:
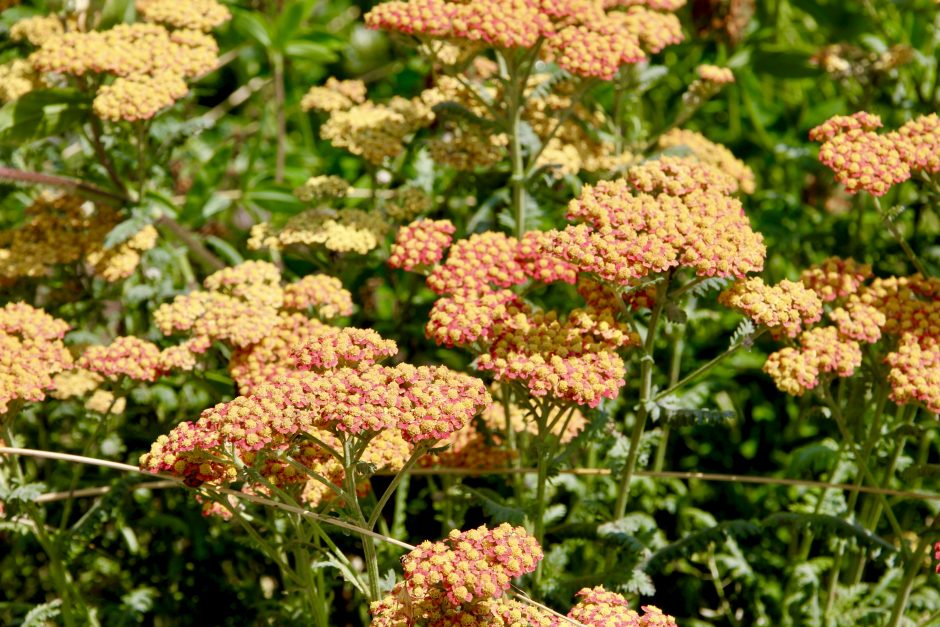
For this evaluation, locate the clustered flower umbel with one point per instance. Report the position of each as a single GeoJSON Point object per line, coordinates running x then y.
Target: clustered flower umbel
{"type": "Point", "coordinates": [31, 353]}
{"type": "Point", "coordinates": [150, 62]}
{"type": "Point", "coordinates": [598, 607]}
{"type": "Point", "coordinates": [665, 214]}
{"type": "Point", "coordinates": [60, 230]}
{"type": "Point", "coordinates": [341, 230]}
{"type": "Point", "coordinates": [707, 151]}
{"type": "Point", "coordinates": [335, 388]}
{"type": "Point", "coordinates": [572, 358]}
{"type": "Point", "coordinates": [899, 314]}
{"type": "Point", "coordinates": [461, 581]}
{"type": "Point", "coordinates": [247, 308]}
{"type": "Point", "coordinates": [591, 38]}
{"type": "Point", "coordinates": [864, 160]}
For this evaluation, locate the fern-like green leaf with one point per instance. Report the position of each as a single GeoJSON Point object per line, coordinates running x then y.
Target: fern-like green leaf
{"type": "Point", "coordinates": [700, 540]}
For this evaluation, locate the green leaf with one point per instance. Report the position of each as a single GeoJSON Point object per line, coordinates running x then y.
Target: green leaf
{"type": "Point", "coordinates": [42, 113]}
{"type": "Point", "coordinates": [784, 63]}
{"type": "Point", "coordinates": [302, 50]}
{"type": "Point", "coordinates": [494, 506]}
{"type": "Point", "coordinates": [252, 26]}
{"type": "Point", "coordinates": [42, 614]}
{"type": "Point", "coordinates": [115, 12]}
{"type": "Point", "coordinates": [126, 230]}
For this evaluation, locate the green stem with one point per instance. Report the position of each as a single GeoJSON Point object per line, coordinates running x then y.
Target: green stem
{"type": "Point", "coordinates": [368, 544]}
{"type": "Point", "coordinates": [675, 366]}
{"type": "Point", "coordinates": [902, 242]}
{"type": "Point", "coordinates": [517, 180]}
{"type": "Point", "coordinates": [704, 368]}
{"type": "Point", "coordinates": [71, 597]}
{"type": "Point", "coordinates": [416, 454]}
{"type": "Point", "coordinates": [861, 462]}
{"type": "Point", "coordinates": [911, 568]}
{"type": "Point", "coordinates": [646, 386]}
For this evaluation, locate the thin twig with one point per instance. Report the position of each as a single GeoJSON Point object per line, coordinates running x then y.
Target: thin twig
{"type": "Point", "coordinates": [51, 180]}
{"type": "Point", "coordinates": [203, 254]}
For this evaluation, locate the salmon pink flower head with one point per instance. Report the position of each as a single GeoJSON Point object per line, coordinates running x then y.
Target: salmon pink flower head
{"type": "Point", "coordinates": [865, 161]}
{"type": "Point", "coordinates": [470, 566]}
{"type": "Point", "coordinates": [421, 244]}
{"type": "Point", "coordinates": [598, 607]}
{"type": "Point", "coordinates": [129, 357]}
{"type": "Point", "coordinates": [918, 141]}
{"type": "Point", "coordinates": [33, 352]}
{"type": "Point", "coordinates": [836, 278]}
{"type": "Point", "coordinates": [322, 293]}
{"type": "Point", "coordinates": [684, 220]}
{"type": "Point", "coordinates": [915, 371]}
{"type": "Point", "coordinates": [839, 124]}
{"type": "Point", "coordinates": [794, 371]}
{"type": "Point", "coordinates": [784, 308]}
{"type": "Point", "coordinates": [343, 347]}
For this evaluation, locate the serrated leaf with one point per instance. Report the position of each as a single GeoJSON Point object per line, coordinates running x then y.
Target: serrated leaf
{"type": "Point", "coordinates": [494, 506]}
{"type": "Point", "coordinates": [40, 615]}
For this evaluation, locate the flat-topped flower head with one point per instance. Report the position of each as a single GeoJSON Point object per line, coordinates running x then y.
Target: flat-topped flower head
{"type": "Point", "coordinates": [865, 161]}
{"type": "Point", "coordinates": [915, 372]}
{"type": "Point", "coordinates": [479, 263]}
{"type": "Point", "coordinates": [794, 371]}
{"type": "Point", "coordinates": [421, 244]}
{"type": "Point", "coordinates": [858, 321]}
{"type": "Point", "coordinates": [468, 316]}
{"type": "Point", "coordinates": [322, 188]}
{"type": "Point", "coordinates": [37, 29]}
{"type": "Point", "coordinates": [335, 95]}
{"type": "Point", "coordinates": [376, 132]}
{"type": "Point", "coordinates": [598, 50]}
{"type": "Point", "coordinates": [575, 359]}
{"type": "Point", "coordinates": [785, 308]}
{"type": "Point", "coordinates": [343, 347]}
{"type": "Point", "coordinates": [918, 141]}
{"type": "Point", "coordinates": [833, 353]}
{"type": "Point", "coordinates": [598, 607]}
{"type": "Point", "coordinates": [322, 293]}
{"type": "Point", "coordinates": [343, 231]}
{"type": "Point", "coordinates": [431, 18]}
{"type": "Point", "coordinates": [836, 278]}
{"type": "Point", "coordinates": [715, 74]}
{"type": "Point", "coordinates": [839, 124]}
{"type": "Point", "coordinates": [272, 358]}
{"type": "Point", "coordinates": [201, 15]}
{"type": "Point", "coordinates": [138, 97]}
{"type": "Point", "coordinates": [216, 317]}
{"type": "Point", "coordinates": [129, 357]}
{"type": "Point", "coordinates": [626, 236]}
{"type": "Point", "coordinates": [128, 50]}
{"type": "Point", "coordinates": [32, 353]}
{"type": "Point", "coordinates": [713, 154]}
{"type": "Point", "coordinates": [676, 176]}
{"type": "Point", "coordinates": [472, 565]}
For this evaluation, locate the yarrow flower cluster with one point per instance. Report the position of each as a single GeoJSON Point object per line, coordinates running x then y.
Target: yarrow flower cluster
{"type": "Point", "coordinates": [583, 37]}
{"type": "Point", "coordinates": [343, 231]}
{"type": "Point", "coordinates": [203, 15]}
{"type": "Point", "coordinates": [246, 307]}
{"type": "Point", "coordinates": [864, 160]}
{"type": "Point", "coordinates": [457, 580]}
{"type": "Point", "coordinates": [376, 132]}
{"type": "Point", "coordinates": [572, 358]}
{"type": "Point", "coordinates": [421, 244]}
{"type": "Point", "coordinates": [335, 388]}
{"type": "Point", "coordinates": [335, 95]}
{"type": "Point", "coordinates": [129, 357]}
{"type": "Point", "coordinates": [60, 230]}
{"type": "Point", "coordinates": [785, 308]}
{"type": "Point", "coordinates": [904, 311]}
{"type": "Point", "coordinates": [33, 352]}
{"type": "Point", "coordinates": [598, 607]}
{"type": "Point", "coordinates": [150, 62]}
{"type": "Point", "coordinates": [322, 188]}
{"type": "Point", "coordinates": [665, 214]}
{"type": "Point", "coordinates": [707, 151]}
